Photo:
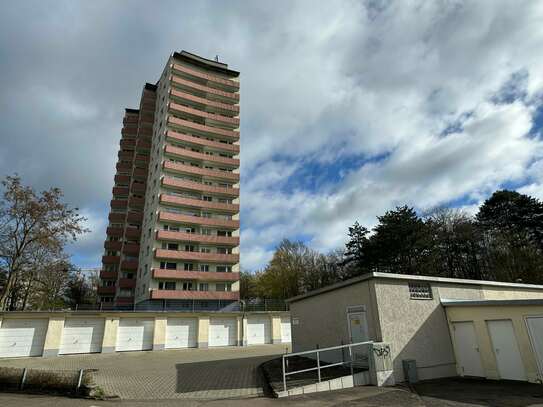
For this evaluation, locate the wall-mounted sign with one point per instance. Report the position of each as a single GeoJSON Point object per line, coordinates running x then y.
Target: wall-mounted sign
{"type": "Point", "coordinates": [295, 321]}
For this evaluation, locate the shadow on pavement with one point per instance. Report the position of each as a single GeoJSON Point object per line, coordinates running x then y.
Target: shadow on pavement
{"type": "Point", "coordinates": [227, 374]}
{"type": "Point", "coordinates": [502, 393]}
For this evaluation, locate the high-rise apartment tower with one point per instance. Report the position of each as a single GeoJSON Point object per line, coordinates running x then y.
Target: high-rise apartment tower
{"type": "Point", "coordinates": [173, 229]}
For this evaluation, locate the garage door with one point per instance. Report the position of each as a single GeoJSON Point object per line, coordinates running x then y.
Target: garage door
{"type": "Point", "coordinates": [467, 349]}
{"type": "Point", "coordinates": [22, 337]}
{"type": "Point", "coordinates": [285, 330]}
{"type": "Point", "coordinates": [181, 333]}
{"type": "Point", "coordinates": [506, 350]}
{"type": "Point", "coordinates": [258, 330]}
{"type": "Point", "coordinates": [223, 331]}
{"type": "Point", "coordinates": [135, 334]}
{"type": "Point", "coordinates": [82, 335]}
{"type": "Point", "coordinates": [535, 328]}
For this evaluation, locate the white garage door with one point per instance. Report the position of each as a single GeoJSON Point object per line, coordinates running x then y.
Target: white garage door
{"type": "Point", "coordinates": [181, 333]}
{"type": "Point", "coordinates": [82, 335]}
{"type": "Point", "coordinates": [223, 331]}
{"type": "Point", "coordinates": [22, 337]}
{"type": "Point", "coordinates": [135, 334]}
{"type": "Point", "coordinates": [467, 349]}
{"type": "Point", "coordinates": [258, 330]}
{"type": "Point", "coordinates": [506, 350]}
{"type": "Point", "coordinates": [535, 328]}
{"type": "Point", "coordinates": [285, 330]}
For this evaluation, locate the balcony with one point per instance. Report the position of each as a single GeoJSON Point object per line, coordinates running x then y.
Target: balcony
{"type": "Point", "coordinates": [110, 259]}
{"type": "Point", "coordinates": [127, 282]}
{"type": "Point", "coordinates": [124, 300]}
{"type": "Point", "coordinates": [127, 144]}
{"type": "Point", "coordinates": [116, 217]}
{"type": "Point", "coordinates": [140, 173]}
{"type": "Point", "coordinates": [109, 245]}
{"type": "Point", "coordinates": [129, 133]}
{"type": "Point", "coordinates": [143, 144]}
{"type": "Point", "coordinates": [197, 203]}
{"type": "Point", "coordinates": [208, 77]}
{"type": "Point", "coordinates": [197, 238]}
{"type": "Point", "coordinates": [196, 256]}
{"type": "Point", "coordinates": [122, 167]}
{"type": "Point", "coordinates": [122, 179]}
{"type": "Point", "coordinates": [187, 138]}
{"type": "Point", "coordinates": [114, 231]}
{"type": "Point", "coordinates": [136, 202]}
{"type": "Point", "coordinates": [135, 216]}
{"type": "Point", "coordinates": [202, 129]}
{"type": "Point", "coordinates": [204, 91]}
{"type": "Point", "coordinates": [125, 155]}
{"type": "Point", "coordinates": [129, 265]}
{"type": "Point", "coordinates": [224, 120]}
{"type": "Point", "coordinates": [194, 275]}
{"type": "Point", "coordinates": [132, 232]}
{"type": "Point", "coordinates": [197, 186]}
{"type": "Point", "coordinates": [205, 103]}
{"type": "Point", "coordinates": [133, 118]}
{"type": "Point", "coordinates": [190, 169]}
{"type": "Point", "coordinates": [108, 275]}
{"type": "Point", "coordinates": [120, 190]}
{"type": "Point", "coordinates": [193, 295]}
{"type": "Point", "coordinates": [185, 153]}
{"type": "Point", "coordinates": [197, 220]}
{"type": "Point", "coordinates": [119, 203]}
{"type": "Point", "coordinates": [138, 188]}
{"type": "Point", "coordinates": [142, 157]}
{"type": "Point", "coordinates": [106, 290]}
{"type": "Point", "coordinates": [131, 249]}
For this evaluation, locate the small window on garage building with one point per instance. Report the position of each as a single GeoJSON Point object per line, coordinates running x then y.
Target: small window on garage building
{"type": "Point", "coordinates": [420, 291]}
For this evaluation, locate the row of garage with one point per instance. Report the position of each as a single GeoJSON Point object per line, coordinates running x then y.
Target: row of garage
{"type": "Point", "coordinates": [21, 337]}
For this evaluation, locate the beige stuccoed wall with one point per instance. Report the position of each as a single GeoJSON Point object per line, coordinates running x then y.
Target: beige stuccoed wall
{"type": "Point", "coordinates": [479, 315]}
{"type": "Point", "coordinates": [417, 329]}
{"type": "Point", "coordinates": [321, 320]}
{"type": "Point", "coordinates": [505, 293]}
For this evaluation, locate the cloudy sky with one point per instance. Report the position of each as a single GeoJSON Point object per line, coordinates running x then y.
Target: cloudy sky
{"type": "Point", "coordinates": [349, 108]}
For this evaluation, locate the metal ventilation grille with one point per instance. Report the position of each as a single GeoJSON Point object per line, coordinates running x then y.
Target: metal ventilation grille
{"type": "Point", "coordinates": [420, 291]}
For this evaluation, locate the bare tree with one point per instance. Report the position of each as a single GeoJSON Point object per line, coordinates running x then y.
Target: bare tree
{"type": "Point", "coordinates": [31, 223]}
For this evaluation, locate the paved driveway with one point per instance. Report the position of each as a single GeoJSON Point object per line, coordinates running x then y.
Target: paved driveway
{"type": "Point", "coordinates": [213, 373]}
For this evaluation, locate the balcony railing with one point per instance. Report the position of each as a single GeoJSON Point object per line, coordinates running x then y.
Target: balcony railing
{"type": "Point", "coordinates": [183, 152]}
{"type": "Point", "coordinates": [129, 265]}
{"type": "Point", "coordinates": [197, 238]}
{"type": "Point", "coordinates": [224, 120]}
{"type": "Point", "coordinates": [110, 259]}
{"type": "Point", "coordinates": [131, 248]}
{"type": "Point", "coordinates": [106, 290]}
{"type": "Point", "coordinates": [127, 283]}
{"type": "Point", "coordinates": [196, 256]}
{"type": "Point", "coordinates": [197, 186]}
{"type": "Point", "coordinates": [114, 231]}
{"type": "Point", "coordinates": [108, 245]}
{"type": "Point", "coordinates": [198, 141]}
{"type": "Point", "coordinates": [198, 203]}
{"type": "Point", "coordinates": [116, 217]}
{"type": "Point", "coordinates": [190, 169]}
{"type": "Point", "coordinates": [209, 77]}
{"type": "Point", "coordinates": [108, 275]}
{"type": "Point", "coordinates": [205, 103]}
{"type": "Point", "coordinates": [202, 128]}
{"type": "Point", "coordinates": [194, 275]}
{"type": "Point", "coordinates": [206, 91]}
{"type": "Point", "coordinates": [194, 295]}
{"type": "Point", "coordinates": [197, 220]}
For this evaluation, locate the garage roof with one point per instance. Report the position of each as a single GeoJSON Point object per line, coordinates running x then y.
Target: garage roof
{"type": "Point", "coordinates": [410, 277]}
{"type": "Point", "coordinates": [469, 303]}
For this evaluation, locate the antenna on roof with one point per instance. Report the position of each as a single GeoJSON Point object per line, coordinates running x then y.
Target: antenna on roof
{"type": "Point", "coordinates": [216, 58]}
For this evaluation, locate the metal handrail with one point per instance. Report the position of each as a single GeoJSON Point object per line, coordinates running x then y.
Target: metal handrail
{"type": "Point", "coordinates": [319, 367]}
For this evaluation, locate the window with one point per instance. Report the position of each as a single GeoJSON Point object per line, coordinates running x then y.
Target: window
{"type": "Point", "coordinates": [224, 269]}
{"type": "Point", "coordinates": [188, 267]}
{"type": "Point", "coordinates": [224, 250]}
{"type": "Point", "coordinates": [206, 231]}
{"type": "Point", "coordinates": [420, 291]}
{"type": "Point", "coordinates": [187, 286]}
{"type": "Point", "coordinates": [173, 246]}
{"type": "Point", "coordinates": [166, 285]}
{"type": "Point", "coordinates": [204, 267]}
{"type": "Point", "coordinates": [205, 250]}
{"type": "Point", "coordinates": [204, 287]}
{"type": "Point", "coordinates": [189, 248]}
{"type": "Point", "coordinates": [190, 230]}
{"type": "Point", "coordinates": [224, 233]}
{"type": "Point", "coordinates": [207, 198]}
{"type": "Point", "coordinates": [223, 287]}
{"type": "Point", "coordinates": [168, 266]}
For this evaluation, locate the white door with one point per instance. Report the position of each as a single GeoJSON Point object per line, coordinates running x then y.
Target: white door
{"type": "Point", "coordinates": [285, 330]}
{"type": "Point", "coordinates": [223, 331]}
{"type": "Point", "coordinates": [535, 328]}
{"type": "Point", "coordinates": [181, 333]}
{"type": "Point", "coordinates": [468, 356]}
{"type": "Point", "coordinates": [258, 330]}
{"type": "Point", "coordinates": [506, 350]}
{"type": "Point", "coordinates": [22, 337]}
{"type": "Point", "coordinates": [358, 327]}
{"type": "Point", "coordinates": [135, 334]}
{"type": "Point", "coordinates": [82, 335]}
